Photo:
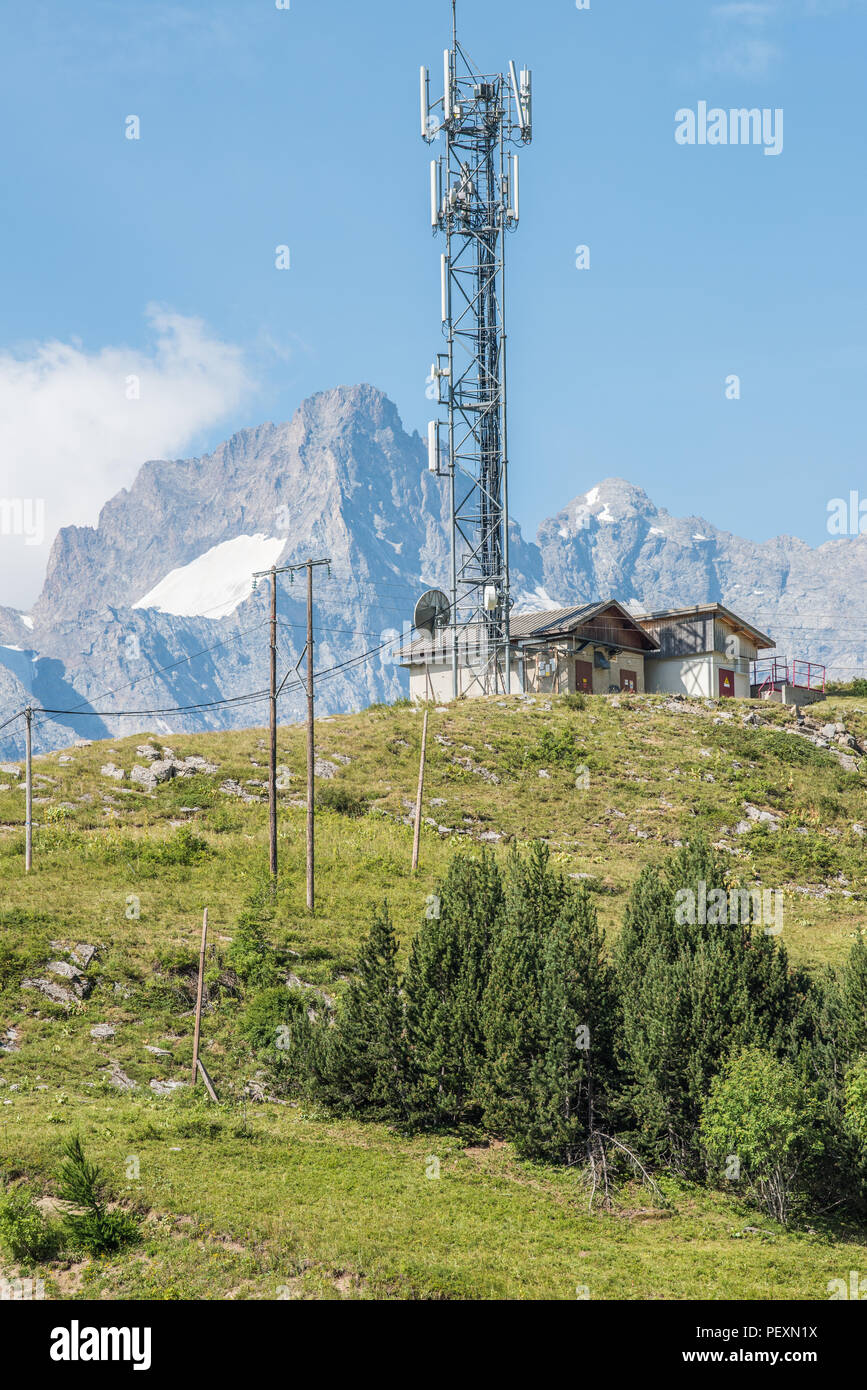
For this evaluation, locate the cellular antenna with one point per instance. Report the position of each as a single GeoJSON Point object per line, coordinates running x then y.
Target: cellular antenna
{"type": "Point", "coordinates": [474, 200]}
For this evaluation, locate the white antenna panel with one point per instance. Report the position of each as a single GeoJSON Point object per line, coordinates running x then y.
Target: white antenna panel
{"type": "Point", "coordinates": [433, 446]}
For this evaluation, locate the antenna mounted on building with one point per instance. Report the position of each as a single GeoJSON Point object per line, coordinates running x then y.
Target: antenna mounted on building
{"type": "Point", "coordinates": [431, 612]}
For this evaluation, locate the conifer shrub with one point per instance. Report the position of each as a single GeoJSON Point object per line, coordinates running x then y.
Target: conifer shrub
{"type": "Point", "coordinates": [88, 1222]}
{"type": "Point", "coordinates": [692, 993]}
{"type": "Point", "coordinates": [341, 800]}
{"type": "Point", "coordinates": [444, 989]}
{"type": "Point", "coordinates": [360, 1062]}
{"type": "Point", "coordinates": [185, 847]}
{"type": "Point", "coordinates": [250, 954]}
{"type": "Point", "coordinates": [856, 1103]}
{"type": "Point", "coordinates": [549, 1016]}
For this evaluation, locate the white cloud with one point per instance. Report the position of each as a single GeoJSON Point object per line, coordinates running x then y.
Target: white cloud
{"type": "Point", "coordinates": [742, 37]}
{"type": "Point", "coordinates": [72, 431]}
{"type": "Point", "coordinates": [746, 11]}
{"type": "Point", "coordinates": [737, 43]}
{"type": "Point", "coordinates": [744, 57]}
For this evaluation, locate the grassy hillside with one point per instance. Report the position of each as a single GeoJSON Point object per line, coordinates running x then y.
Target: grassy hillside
{"type": "Point", "coordinates": [255, 1199]}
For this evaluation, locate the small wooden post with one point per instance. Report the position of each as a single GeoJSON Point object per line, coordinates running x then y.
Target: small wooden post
{"type": "Point", "coordinates": [199, 997]}
{"type": "Point", "coordinates": [28, 789]}
{"type": "Point", "coordinates": [417, 830]}
{"type": "Point", "coordinates": [209, 1085]}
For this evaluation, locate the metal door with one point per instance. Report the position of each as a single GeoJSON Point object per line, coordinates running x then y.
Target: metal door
{"type": "Point", "coordinates": [584, 676]}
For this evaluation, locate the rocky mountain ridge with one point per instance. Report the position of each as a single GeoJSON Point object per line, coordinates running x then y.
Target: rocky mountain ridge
{"type": "Point", "coordinates": [152, 609]}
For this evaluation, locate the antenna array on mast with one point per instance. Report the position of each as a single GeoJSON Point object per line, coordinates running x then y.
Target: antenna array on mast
{"type": "Point", "coordinates": [474, 202]}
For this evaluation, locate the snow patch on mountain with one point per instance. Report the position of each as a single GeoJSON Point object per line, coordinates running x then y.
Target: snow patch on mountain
{"type": "Point", "coordinates": [215, 583]}
{"type": "Point", "coordinates": [531, 601]}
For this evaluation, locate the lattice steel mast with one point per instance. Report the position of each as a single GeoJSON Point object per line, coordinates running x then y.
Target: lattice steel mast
{"type": "Point", "coordinates": [474, 201]}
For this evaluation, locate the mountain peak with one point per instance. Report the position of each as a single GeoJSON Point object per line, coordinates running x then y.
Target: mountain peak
{"type": "Point", "coordinates": [343, 406]}
{"type": "Point", "coordinates": [609, 501]}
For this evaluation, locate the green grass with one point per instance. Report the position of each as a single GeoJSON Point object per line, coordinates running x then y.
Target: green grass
{"type": "Point", "coordinates": [263, 1200]}
{"type": "Point", "coordinates": [296, 1205]}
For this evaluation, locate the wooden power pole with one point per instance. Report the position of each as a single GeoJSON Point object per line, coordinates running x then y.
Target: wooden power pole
{"type": "Point", "coordinates": [417, 830]}
{"type": "Point", "coordinates": [311, 760]}
{"type": "Point", "coordinates": [309, 566]}
{"type": "Point", "coordinates": [272, 753]}
{"type": "Point", "coordinates": [28, 789]}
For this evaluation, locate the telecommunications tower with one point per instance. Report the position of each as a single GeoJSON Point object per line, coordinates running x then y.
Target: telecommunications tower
{"type": "Point", "coordinates": [474, 202]}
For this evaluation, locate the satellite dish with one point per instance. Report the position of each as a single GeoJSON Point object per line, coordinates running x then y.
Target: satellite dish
{"type": "Point", "coordinates": [431, 611]}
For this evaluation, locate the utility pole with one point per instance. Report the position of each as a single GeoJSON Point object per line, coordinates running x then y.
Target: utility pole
{"type": "Point", "coordinates": [309, 566]}
{"type": "Point", "coordinates": [272, 754]}
{"type": "Point", "coordinates": [28, 790]}
{"type": "Point", "coordinates": [310, 750]}
{"type": "Point", "coordinates": [417, 830]}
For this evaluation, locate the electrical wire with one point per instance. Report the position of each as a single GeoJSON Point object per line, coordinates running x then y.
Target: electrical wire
{"type": "Point", "coordinates": [160, 670]}
{"type": "Point", "coordinates": [253, 697]}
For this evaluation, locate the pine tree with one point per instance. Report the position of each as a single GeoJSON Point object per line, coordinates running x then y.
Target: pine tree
{"type": "Point", "coordinates": [853, 1004]}
{"type": "Point", "coordinates": [534, 900]}
{"type": "Point", "coordinates": [444, 986]}
{"type": "Point", "coordinates": [364, 1067]}
{"type": "Point", "coordinates": [692, 991]}
{"type": "Point", "coordinates": [572, 1075]}
{"type": "Point", "coordinates": [88, 1221]}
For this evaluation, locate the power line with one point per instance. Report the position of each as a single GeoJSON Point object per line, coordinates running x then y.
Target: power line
{"type": "Point", "coordinates": [342, 631]}
{"type": "Point", "coordinates": [255, 697]}
{"type": "Point", "coordinates": [12, 718]}
{"type": "Point", "coordinates": [250, 698]}
{"type": "Point", "coordinates": [160, 670]}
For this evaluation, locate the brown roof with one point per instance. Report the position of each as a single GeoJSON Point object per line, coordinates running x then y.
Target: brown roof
{"type": "Point", "coordinates": [560, 622]}
{"type": "Point", "coordinates": [762, 638]}
{"type": "Point", "coordinates": [544, 621]}
{"type": "Point", "coordinates": [553, 623]}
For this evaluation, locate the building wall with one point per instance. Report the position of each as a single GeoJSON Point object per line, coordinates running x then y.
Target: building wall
{"type": "Point", "coordinates": [602, 679]}
{"type": "Point", "coordinates": [680, 675]}
{"type": "Point", "coordinates": [679, 669]}
{"type": "Point", "coordinates": [696, 675]}
{"type": "Point", "coordinates": [690, 635]}
{"type": "Point", "coordinates": [434, 682]}
{"type": "Point", "coordinates": [741, 668]}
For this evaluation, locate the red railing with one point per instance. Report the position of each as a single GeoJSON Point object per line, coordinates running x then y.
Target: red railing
{"type": "Point", "coordinates": [771, 672]}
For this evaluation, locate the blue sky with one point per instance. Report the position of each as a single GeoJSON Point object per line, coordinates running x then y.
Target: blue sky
{"type": "Point", "coordinates": [262, 126]}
